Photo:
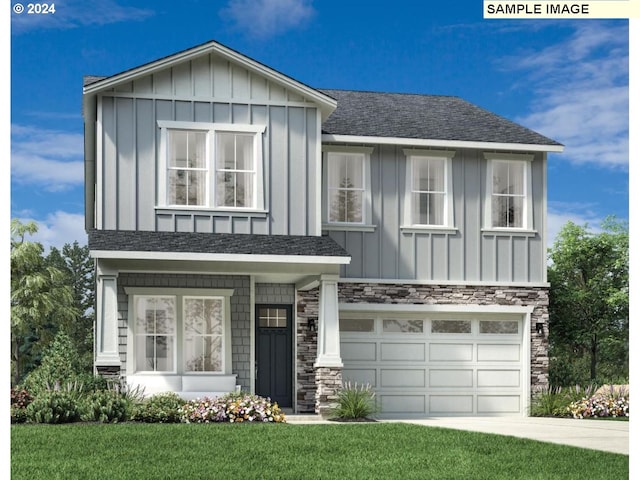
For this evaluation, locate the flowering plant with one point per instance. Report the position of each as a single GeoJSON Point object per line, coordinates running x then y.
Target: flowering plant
{"type": "Point", "coordinates": [232, 408]}
{"type": "Point", "coordinates": [600, 406]}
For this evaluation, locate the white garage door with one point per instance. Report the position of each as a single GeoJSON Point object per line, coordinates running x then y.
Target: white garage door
{"type": "Point", "coordinates": [441, 365]}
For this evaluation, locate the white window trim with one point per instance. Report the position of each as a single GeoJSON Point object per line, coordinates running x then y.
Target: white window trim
{"type": "Point", "coordinates": [179, 294]}
{"type": "Point", "coordinates": [527, 214]}
{"type": "Point", "coordinates": [365, 224]}
{"type": "Point", "coordinates": [449, 221]}
{"type": "Point", "coordinates": [211, 129]}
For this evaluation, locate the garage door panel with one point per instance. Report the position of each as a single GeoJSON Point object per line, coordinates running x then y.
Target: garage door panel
{"type": "Point", "coordinates": [478, 372]}
{"type": "Point", "coordinates": [404, 352]}
{"type": "Point", "coordinates": [411, 378]}
{"type": "Point", "coordinates": [450, 378]}
{"type": "Point", "coordinates": [498, 353]}
{"type": "Point", "coordinates": [498, 378]}
{"type": "Point", "coordinates": [450, 352]}
{"type": "Point", "coordinates": [498, 403]}
{"type": "Point", "coordinates": [402, 403]}
{"type": "Point", "coordinates": [358, 351]}
{"type": "Point", "coordinates": [361, 376]}
{"type": "Point", "coordinates": [451, 403]}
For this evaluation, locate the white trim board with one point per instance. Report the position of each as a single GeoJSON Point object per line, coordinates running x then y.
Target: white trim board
{"type": "Point", "coordinates": [420, 142]}
{"type": "Point", "coordinates": [219, 257]}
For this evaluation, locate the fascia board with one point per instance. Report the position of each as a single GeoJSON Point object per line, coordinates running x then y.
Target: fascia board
{"type": "Point", "coordinates": [219, 257]}
{"type": "Point", "coordinates": [419, 142]}
{"type": "Point", "coordinates": [327, 103]}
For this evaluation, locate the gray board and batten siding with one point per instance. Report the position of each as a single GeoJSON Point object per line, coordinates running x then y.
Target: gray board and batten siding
{"type": "Point", "coordinates": [468, 252]}
{"type": "Point", "coordinates": [213, 90]}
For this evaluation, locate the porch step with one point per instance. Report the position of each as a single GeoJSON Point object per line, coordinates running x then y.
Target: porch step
{"type": "Point", "coordinates": [304, 418]}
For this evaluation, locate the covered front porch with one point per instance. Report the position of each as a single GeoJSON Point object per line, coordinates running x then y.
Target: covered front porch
{"type": "Point", "coordinates": [225, 321]}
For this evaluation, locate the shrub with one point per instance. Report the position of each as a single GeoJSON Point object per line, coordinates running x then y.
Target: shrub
{"type": "Point", "coordinates": [160, 408]}
{"type": "Point", "coordinates": [232, 408]}
{"type": "Point", "coordinates": [60, 365]}
{"type": "Point", "coordinates": [54, 406]}
{"type": "Point", "coordinates": [106, 406]}
{"type": "Point", "coordinates": [20, 400]}
{"type": "Point", "coordinates": [354, 402]}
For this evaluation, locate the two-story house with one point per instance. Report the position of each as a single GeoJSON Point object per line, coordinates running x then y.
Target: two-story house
{"type": "Point", "coordinates": [252, 232]}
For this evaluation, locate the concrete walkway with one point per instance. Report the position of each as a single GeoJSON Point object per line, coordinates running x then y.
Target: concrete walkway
{"type": "Point", "coordinates": [605, 435]}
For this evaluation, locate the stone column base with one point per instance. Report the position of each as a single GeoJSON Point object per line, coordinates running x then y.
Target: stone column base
{"type": "Point", "coordinates": [328, 383]}
{"type": "Point", "coordinates": [110, 372]}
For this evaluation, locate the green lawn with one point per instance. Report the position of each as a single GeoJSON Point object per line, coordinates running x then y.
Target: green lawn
{"type": "Point", "coordinates": [258, 451]}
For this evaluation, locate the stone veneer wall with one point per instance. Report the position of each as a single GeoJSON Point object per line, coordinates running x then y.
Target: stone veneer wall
{"type": "Point", "coordinates": [307, 348]}
{"type": "Point", "coordinates": [240, 312]}
{"type": "Point", "coordinates": [321, 385]}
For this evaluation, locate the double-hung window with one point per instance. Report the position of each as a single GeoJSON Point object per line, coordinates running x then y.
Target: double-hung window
{"type": "Point", "coordinates": [236, 170]}
{"type": "Point", "coordinates": [509, 190]}
{"type": "Point", "coordinates": [210, 166]}
{"type": "Point", "coordinates": [155, 333]}
{"type": "Point", "coordinates": [187, 168]}
{"type": "Point", "coordinates": [203, 334]}
{"type": "Point", "coordinates": [347, 195]}
{"type": "Point", "coordinates": [428, 189]}
{"type": "Point", "coordinates": [185, 331]}
{"type": "Point", "coordinates": [346, 187]}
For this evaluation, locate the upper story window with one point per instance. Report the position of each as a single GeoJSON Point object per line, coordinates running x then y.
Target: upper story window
{"type": "Point", "coordinates": [429, 200]}
{"type": "Point", "coordinates": [236, 170]}
{"type": "Point", "coordinates": [210, 165]}
{"type": "Point", "coordinates": [187, 177]}
{"type": "Point", "coordinates": [346, 186]}
{"type": "Point", "coordinates": [509, 190]}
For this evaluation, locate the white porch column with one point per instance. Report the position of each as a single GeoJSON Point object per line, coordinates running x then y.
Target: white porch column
{"type": "Point", "coordinates": [328, 326]}
{"type": "Point", "coordinates": [107, 353]}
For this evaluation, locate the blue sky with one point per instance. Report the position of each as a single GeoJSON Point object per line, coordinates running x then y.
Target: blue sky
{"type": "Point", "coordinates": [565, 79]}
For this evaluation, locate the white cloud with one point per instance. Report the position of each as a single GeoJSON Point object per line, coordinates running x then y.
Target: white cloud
{"type": "Point", "coordinates": [582, 93]}
{"type": "Point", "coordinates": [266, 18]}
{"type": "Point", "coordinates": [47, 158]}
{"type": "Point", "coordinates": [558, 214]}
{"type": "Point", "coordinates": [78, 13]}
{"type": "Point", "coordinates": [59, 228]}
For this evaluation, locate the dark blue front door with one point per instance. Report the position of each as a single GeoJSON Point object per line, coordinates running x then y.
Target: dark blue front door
{"type": "Point", "coordinates": [273, 353]}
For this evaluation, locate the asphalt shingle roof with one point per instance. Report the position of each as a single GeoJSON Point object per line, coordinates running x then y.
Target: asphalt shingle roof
{"type": "Point", "coordinates": [144, 241]}
{"type": "Point", "coordinates": [432, 117]}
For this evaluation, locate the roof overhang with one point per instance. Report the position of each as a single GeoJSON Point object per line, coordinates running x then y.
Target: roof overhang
{"type": "Point", "coordinates": [221, 257]}
{"type": "Point", "coordinates": [419, 142]}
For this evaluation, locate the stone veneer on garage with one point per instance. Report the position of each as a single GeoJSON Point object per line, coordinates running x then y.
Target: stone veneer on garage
{"type": "Point", "coordinates": [315, 389]}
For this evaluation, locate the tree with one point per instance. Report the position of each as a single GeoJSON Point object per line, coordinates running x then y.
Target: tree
{"type": "Point", "coordinates": [41, 302]}
{"type": "Point", "coordinates": [346, 205]}
{"type": "Point", "coordinates": [77, 266]}
{"type": "Point", "coordinates": [589, 304]}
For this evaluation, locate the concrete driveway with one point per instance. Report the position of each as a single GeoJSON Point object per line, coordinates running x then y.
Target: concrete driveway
{"type": "Point", "coordinates": [606, 435]}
